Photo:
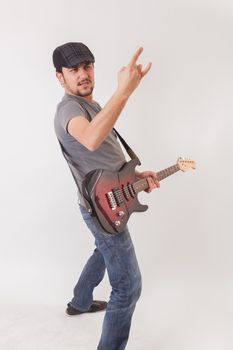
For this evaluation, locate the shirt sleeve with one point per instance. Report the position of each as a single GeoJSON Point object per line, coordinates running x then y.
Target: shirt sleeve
{"type": "Point", "coordinates": [68, 111]}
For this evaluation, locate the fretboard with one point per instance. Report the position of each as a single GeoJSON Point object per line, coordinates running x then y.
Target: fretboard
{"type": "Point", "coordinates": [142, 184]}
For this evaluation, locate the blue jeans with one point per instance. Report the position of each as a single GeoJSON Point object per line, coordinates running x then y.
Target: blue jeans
{"type": "Point", "coordinates": [116, 254]}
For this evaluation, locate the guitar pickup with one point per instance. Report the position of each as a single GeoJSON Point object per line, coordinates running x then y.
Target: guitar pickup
{"type": "Point", "coordinates": [118, 196]}
{"type": "Point", "coordinates": [126, 192]}
{"type": "Point", "coordinates": [131, 190]}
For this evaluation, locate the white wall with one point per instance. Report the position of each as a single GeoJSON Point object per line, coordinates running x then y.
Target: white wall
{"type": "Point", "coordinates": [183, 107]}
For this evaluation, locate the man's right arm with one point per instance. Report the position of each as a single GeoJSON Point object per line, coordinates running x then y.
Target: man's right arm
{"type": "Point", "coordinates": [92, 134]}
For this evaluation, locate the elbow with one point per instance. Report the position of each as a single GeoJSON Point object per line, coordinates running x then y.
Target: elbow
{"type": "Point", "coordinates": [92, 147]}
{"type": "Point", "coordinates": [92, 143]}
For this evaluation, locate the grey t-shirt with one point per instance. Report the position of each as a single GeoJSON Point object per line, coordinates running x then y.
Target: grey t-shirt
{"type": "Point", "coordinates": [108, 156]}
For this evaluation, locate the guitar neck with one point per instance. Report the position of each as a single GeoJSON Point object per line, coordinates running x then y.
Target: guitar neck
{"type": "Point", "coordinates": [167, 172]}
{"type": "Point", "coordinates": [142, 184]}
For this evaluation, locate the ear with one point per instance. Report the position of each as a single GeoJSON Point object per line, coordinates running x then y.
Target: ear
{"type": "Point", "coordinates": [60, 77]}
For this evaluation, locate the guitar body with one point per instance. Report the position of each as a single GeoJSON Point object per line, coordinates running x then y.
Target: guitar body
{"type": "Point", "coordinates": [112, 196]}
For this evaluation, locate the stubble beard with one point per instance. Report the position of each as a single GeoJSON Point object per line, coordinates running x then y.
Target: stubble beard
{"type": "Point", "coordinates": [78, 91]}
{"type": "Point", "coordinates": [86, 93]}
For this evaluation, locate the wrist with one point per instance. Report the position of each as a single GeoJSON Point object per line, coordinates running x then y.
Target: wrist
{"type": "Point", "coordinates": [122, 95]}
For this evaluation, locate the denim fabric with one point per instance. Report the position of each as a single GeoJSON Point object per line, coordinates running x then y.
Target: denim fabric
{"type": "Point", "coordinates": [116, 254]}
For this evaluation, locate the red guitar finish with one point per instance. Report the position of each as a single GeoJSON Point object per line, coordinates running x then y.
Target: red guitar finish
{"type": "Point", "coordinates": [113, 195]}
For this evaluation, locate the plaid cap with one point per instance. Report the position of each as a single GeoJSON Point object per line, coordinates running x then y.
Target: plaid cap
{"type": "Point", "coordinates": [70, 55]}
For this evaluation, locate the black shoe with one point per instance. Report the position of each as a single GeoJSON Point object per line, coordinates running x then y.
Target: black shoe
{"type": "Point", "coordinates": [96, 305]}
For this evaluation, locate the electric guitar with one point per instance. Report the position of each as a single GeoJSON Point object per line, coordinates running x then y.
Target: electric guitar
{"type": "Point", "coordinates": [112, 196]}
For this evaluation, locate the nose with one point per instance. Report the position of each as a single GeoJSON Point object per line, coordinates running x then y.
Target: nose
{"type": "Point", "coordinates": [82, 73]}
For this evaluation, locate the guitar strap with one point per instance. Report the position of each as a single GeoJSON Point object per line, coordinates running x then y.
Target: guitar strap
{"type": "Point", "coordinates": [72, 164]}
{"type": "Point", "coordinates": [127, 148]}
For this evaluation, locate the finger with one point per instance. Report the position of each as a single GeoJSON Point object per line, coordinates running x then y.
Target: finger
{"type": "Point", "coordinates": [153, 175]}
{"type": "Point", "coordinates": [157, 183]}
{"type": "Point", "coordinates": [135, 57]}
{"type": "Point", "coordinates": [146, 70]}
{"type": "Point", "coordinates": [151, 183]}
{"type": "Point", "coordinates": [139, 68]}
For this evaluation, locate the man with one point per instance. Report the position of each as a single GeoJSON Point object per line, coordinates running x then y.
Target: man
{"type": "Point", "coordinates": [85, 132]}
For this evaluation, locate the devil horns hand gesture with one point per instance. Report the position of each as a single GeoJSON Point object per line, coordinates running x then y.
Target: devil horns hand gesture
{"type": "Point", "coordinates": [130, 76]}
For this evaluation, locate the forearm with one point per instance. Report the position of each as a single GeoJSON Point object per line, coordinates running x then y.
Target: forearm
{"type": "Point", "coordinates": [99, 128]}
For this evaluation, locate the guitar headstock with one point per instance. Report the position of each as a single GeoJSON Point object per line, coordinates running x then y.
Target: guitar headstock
{"type": "Point", "coordinates": [186, 164]}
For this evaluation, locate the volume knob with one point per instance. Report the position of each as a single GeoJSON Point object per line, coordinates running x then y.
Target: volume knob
{"type": "Point", "coordinates": [117, 223]}
{"type": "Point", "coordinates": [121, 213]}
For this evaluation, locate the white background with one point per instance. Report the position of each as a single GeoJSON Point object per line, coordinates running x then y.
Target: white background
{"type": "Point", "coordinates": [182, 107]}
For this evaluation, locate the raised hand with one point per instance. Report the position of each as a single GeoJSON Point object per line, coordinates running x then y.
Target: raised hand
{"type": "Point", "coordinates": [130, 76]}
